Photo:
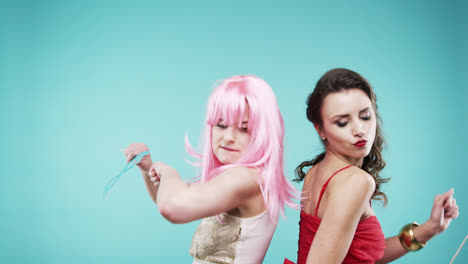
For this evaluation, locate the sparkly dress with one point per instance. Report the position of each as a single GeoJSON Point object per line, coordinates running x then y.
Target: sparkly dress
{"type": "Point", "coordinates": [232, 240]}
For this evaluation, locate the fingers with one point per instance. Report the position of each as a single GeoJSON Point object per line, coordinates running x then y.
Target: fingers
{"type": "Point", "coordinates": [129, 152]}
{"type": "Point", "coordinates": [443, 211]}
{"type": "Point", "coordinates": [126, 153]}
{"type": "Point", "coordinates": [447, 199]}
{"type": "Point", "coordinates": [438, 201]}
{"type": "Point", "coordinates": [452, 212]}
{"type": "Point", "coordinates": [153, 174]}
{"type": "Point", "coordinates": [444, 199]}
{"type": "Point", "coordinates": [448, 203]}
{"type": "Point", "coordinates": [448, 194]}
{"type": "Point", "coordinates": [154, 177]}
{"type": "Point", "coordinates": [451, 208]}
{"type": "Point", "coordinates": [134, 149]}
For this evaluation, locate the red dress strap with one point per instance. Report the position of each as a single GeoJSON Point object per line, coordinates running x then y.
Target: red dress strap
{"type": "Point", "coordinates": [324, 187]}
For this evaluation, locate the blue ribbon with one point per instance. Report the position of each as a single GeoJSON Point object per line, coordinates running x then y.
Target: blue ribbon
{"type": "Point", "coordinates": [127, 167]}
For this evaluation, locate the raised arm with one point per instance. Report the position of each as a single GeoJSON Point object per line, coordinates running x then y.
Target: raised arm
{"type": "Point", "coordinates": [180, 202]}
{"type": "Point", "coordinates": [145, 164]}
{"type": "Point", "coordinates": [443, 211]}
{"type": "Point", "coordinates": [348, 198]}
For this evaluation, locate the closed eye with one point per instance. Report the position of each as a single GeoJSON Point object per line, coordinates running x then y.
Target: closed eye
{"type": "Point", "coordinates": [366, 117]}
{"type": "Point", "coordinates": [341, 124]}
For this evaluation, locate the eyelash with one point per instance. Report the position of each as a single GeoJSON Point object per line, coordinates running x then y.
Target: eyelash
{"type": "Point", "coordinates": [243, 129]}
{"type": "Point", "coordinates": [365, 118]}
{"type": "Point", "coordinates": [341, 124]}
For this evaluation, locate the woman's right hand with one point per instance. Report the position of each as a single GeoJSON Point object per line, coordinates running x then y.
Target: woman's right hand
{"type": "Point", "coordinates": [445, 209]}
{"type": "Point", "coordinates": [136, 148]}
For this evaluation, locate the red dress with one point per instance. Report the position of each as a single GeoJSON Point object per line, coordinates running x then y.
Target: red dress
{"type": "Point", "coordinates": [368, 243]}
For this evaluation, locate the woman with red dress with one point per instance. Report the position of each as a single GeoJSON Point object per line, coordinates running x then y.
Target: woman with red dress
{"type": "Point", "coordinates": [337, 222]}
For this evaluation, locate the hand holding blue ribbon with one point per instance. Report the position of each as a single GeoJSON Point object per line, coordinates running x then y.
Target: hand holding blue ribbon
{"type": "Point", "coordinates": [127, 167]}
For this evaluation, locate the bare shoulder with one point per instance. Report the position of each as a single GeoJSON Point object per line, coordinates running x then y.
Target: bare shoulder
{"type": "Point", "coordinates": [242, 179]}
{"type": "Point", "coordinates": [309, 176]}
{"type": "Point", "coordinates": [353, 180]}
{"type": "Point", "coordinates": [240, 172]}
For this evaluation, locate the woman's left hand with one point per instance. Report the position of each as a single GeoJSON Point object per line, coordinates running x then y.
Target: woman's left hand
{"type": "Point", "coordinates": [444, 210]}
{"type": "Point", "coordinates": [156, 171]}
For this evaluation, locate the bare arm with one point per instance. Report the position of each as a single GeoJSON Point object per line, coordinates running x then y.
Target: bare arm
{"type": "Point", "coordinates": [394, 249]}
{"type": "Point", "coordinates": [443, 211]}
{"type": "Point", "coordinates": [180, 202]}
{"type": "Point", "coordinates": [151, 187]}
{"type": "Point", "coordinates": [348, 198]}
{"type": "Point", "coordinates": [145, 164]}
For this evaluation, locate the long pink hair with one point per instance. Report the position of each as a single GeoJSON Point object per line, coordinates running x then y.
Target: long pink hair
{"type": "Point", "coordinates": [266, 128]}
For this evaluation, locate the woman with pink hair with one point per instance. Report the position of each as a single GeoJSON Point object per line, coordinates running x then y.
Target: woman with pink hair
{"type": "Point", "coordinates": [242, 186]}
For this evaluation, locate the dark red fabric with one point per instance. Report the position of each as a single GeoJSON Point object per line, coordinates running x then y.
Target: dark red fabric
{"type": "Point", "coordinates": [368, 243]}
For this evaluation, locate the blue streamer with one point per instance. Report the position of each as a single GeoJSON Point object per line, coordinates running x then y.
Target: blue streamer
{"type": "Point", "coordinates": [127, 167]}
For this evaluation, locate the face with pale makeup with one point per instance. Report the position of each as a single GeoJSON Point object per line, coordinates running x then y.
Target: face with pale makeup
{"type": "Point", "coordinates": [230, 142]}
{"type": "Point", "coordinates": [348, 123]}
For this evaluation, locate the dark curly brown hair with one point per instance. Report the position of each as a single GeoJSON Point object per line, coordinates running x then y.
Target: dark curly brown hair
{"type": "Point", "coordinates": [334, 81]}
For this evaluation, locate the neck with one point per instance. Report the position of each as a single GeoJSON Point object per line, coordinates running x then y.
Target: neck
{"type": "Point", "coordinates": [336, 158]}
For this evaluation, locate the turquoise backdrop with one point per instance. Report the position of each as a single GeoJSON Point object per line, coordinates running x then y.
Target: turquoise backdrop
{"type": "Point", "coordinates": [81, 79]}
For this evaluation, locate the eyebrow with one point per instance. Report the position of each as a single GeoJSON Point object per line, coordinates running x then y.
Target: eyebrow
{"type": "Point", "coordinates": [243, 122]}
{"type": "Point", "coordinates": [347, 115]}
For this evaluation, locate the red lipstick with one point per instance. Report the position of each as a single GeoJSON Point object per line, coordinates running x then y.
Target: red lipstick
{"type": "Point", "coordinates": [361, 143]}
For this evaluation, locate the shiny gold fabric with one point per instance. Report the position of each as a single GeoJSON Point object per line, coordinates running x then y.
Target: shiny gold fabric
{"type": "Point", "coordinates": [215, 241]}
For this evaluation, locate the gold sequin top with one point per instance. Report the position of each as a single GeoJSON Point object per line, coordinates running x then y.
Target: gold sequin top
{"type": "Point", "coordinates": [231, 240]}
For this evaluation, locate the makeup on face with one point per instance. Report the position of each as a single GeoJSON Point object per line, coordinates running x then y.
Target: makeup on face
{"type": "Point", "coordinates": [360, 143]}
{"type": "Point", "coordinates": [349, 123]}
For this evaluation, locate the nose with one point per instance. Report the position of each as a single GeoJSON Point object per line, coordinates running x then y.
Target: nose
{"type": "Point", "coordinates": [358, 129]}
{"type": "Point", "coordinates": [229, 134]}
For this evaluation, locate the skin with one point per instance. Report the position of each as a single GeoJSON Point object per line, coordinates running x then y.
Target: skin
{"type": "Point", "coordinates": [235, 190]}
{"type": "Point", "coordinates": [230, 142]}
{"type": "Point", "coordinates": [348, 116]}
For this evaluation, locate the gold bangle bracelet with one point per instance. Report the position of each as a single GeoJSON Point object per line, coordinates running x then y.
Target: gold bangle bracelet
{"type": "Point", "coordinates": [407, 238]}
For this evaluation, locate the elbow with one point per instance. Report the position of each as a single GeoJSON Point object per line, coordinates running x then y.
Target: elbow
{"type": "Point", "coordinates": [172, 211]}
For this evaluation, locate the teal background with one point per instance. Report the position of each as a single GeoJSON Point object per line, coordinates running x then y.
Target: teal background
{"type": "Point", "coordinates": [81, 79]}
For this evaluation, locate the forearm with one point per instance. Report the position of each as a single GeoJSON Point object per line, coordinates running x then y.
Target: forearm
{"type": "Point", "coordinates": [152, 190]}
{"type": "Point", "coordinates": [395, 250]}
{"type": "Point", "coordinates": [170, 195]}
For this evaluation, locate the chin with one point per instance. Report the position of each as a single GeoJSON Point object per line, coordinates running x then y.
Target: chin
{"type": "Point", "coordinates": [359, 155]}
{"type": "Point", "coordinates": [226, 161]}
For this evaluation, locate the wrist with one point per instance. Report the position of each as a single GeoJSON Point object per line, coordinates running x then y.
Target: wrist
{"type": "Point", "coordinates": [425, 232]}
{"type": "Point", "coordinates": [145, 173]}
{"type": "Point", "coordinates": [408, 237]}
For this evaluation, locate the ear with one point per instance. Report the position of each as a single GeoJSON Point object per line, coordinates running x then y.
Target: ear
{"type": "Point", "coordinates": [320, 131]}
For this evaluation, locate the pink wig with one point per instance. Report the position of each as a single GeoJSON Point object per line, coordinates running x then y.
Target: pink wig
{"type": "Point", "coordinates": [266, 128]}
